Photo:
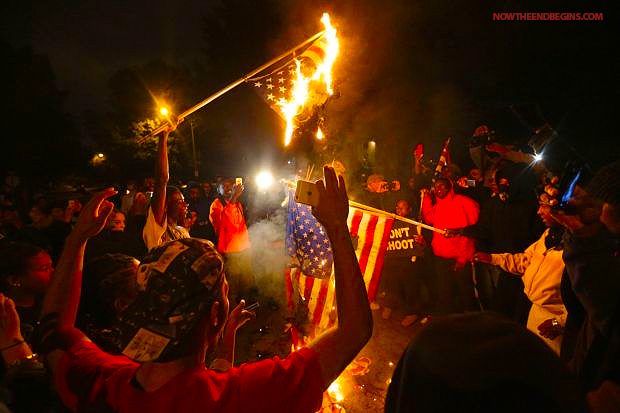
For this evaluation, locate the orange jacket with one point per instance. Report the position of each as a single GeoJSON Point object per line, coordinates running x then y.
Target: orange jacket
{"type": "Point", "coordinates": [229, 224]}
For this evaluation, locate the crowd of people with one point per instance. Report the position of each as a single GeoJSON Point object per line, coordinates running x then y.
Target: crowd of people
{"type": "Point", "coordinates": [120, 301]}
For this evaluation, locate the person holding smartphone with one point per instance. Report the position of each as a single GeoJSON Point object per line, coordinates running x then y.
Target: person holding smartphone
{"type": "Point", "coordinates": [233, 240]}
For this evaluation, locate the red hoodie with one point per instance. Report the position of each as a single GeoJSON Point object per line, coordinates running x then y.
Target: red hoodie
{"type": "Point", "coordinates": [452, 212]}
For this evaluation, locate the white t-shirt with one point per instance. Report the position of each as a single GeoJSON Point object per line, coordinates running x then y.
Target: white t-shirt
{"type": "Point", "coordinates": [155, 235]}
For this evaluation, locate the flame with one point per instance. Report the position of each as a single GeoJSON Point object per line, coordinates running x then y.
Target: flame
{"type": "Point", "coordinates": [319, 136]}
{"type": "Point", "coordinates": [335, 392]}
{"type": "Point", "coordinates": [301, 85]}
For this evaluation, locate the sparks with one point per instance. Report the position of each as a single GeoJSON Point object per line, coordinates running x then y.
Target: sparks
{"type": "Point", "coordinates": [321, 78]}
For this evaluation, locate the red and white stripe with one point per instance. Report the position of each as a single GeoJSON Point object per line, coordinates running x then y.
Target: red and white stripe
{"type": "Point", "coordinates": [373, 234]}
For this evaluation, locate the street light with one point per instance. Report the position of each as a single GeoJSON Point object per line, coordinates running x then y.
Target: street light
{"type": "Point", "coordinates": [264, 180]}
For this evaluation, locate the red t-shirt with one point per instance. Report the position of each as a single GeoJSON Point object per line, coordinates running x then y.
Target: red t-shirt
{"type": "Point", "coordinates": [103, 383]}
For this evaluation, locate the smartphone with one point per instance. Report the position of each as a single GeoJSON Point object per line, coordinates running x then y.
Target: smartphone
{"type": "Point", "coordinates": [307, 193]}
{"type": "Point", "coordinates": [238, 181]}
{"type": "Point", "coordinates": [567, 185]}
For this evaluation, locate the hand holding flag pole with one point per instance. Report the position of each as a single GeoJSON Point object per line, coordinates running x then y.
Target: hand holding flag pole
{"type": "Point", "coordinates": [199, 105]}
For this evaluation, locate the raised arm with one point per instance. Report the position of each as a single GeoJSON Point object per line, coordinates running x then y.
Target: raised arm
{"type": "Point", "coordinates": [162, 175]}
{"type": "Point", "coordinates": [63, 294]}
{"type": "Point", "coordinates": [225, 352]}
{"type": "Point", "coordinates": [337, 347]}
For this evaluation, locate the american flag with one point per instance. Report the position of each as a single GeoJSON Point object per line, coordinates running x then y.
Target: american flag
{"type": "Point", "coordinates": [307, 240]}
{"type": "Point", "coordinates": [275, 86]}
{"type": "Point", "coordinates": [372, 233]}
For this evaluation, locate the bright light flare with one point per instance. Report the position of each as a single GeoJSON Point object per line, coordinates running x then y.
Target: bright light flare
{"type": "Point", "coordinates": [264, 180]}
{"type": "Point", "coordinates": [538, 157]}
{"type": "Point", "coordinates": [100, 155]}
{"type": "Point", "coordinates": [301, 84]}
{"type": "Point", "coordinates": [319, 134]}
{"type": "Point", "coordinates": [163, 111]}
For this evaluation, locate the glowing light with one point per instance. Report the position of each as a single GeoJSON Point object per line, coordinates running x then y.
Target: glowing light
{"type": "Point", "coordinates": [264, 180]}
{"type": "Point", "coordinates": [164, 111]}
{"type": "Point", "coordinates": [391, 364]}
{"type": "Point", "coordinates": [319, 134]}
{"type": "Point", "coordinates": [301, 84]}
{"type": "Point", "coordinates": [335, 391]}
{"type": "Point", "coordinates": [538, 157]}
{"type": "Point", "coordinates": [100, 155]}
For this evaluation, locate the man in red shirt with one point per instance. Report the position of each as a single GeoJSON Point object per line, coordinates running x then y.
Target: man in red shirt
{"type": "Point", "coordinates": [453, 252]}
{"type": "Point", "coordinates": [166, 332]}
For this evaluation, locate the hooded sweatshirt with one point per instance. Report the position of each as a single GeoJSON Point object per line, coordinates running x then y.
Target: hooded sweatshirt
{"type": "Point", "coordinates": [452, 212]}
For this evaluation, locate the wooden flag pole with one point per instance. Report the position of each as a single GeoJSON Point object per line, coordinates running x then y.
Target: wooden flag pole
{"type": "Point", "coordinates": [394, 216]}
{"type": "Point", "coordinates": [233, 85]}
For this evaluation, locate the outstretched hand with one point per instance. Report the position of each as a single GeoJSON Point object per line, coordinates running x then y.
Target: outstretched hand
{"type": "Point", "coordinates": [237, 190]}
{"type": "Point", "coordinates": [483, 257]}
{"type": "Point", "coordinates": [238, 317]}
{"type": "Point", "coordinates": [94, 215]}
{"type": "Point", "coordinates": [333, 207]}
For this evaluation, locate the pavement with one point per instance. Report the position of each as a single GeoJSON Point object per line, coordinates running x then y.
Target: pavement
{"type": "Point", "coordinates": [363, 386]}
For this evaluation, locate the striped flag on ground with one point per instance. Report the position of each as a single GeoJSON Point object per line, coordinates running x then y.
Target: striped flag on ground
{"type": "Point", "coordinates": [372, 234]}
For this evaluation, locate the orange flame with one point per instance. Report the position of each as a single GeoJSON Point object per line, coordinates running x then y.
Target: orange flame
{"type": "Point", "coordinates": [301, 85]}
{"type": "Point", "coordinates": [335, 390]}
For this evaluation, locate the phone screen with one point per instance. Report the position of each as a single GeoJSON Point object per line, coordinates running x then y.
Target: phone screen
{"type": "Point", "coordinates": [566, 196]}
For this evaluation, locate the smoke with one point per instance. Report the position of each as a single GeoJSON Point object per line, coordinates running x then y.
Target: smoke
{"type": "Point", "coordinates": [269, 260]}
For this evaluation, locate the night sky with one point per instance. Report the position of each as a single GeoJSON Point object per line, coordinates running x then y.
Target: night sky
{"type": "Point", "coordinates": [410, 71]}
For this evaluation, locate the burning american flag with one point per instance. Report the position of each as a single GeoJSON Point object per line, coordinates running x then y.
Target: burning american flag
{"type": "Point", "coordinates": [299, 87]}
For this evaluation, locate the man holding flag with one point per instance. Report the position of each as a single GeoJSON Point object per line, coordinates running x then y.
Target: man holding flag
{"type": "Point", "coordinates": [453, 251]}
{"type": "Point", "coordinates": [307, 241]}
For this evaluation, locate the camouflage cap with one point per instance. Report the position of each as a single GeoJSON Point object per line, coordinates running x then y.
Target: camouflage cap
{"type": "Point", "coordinates": [178, 283]}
